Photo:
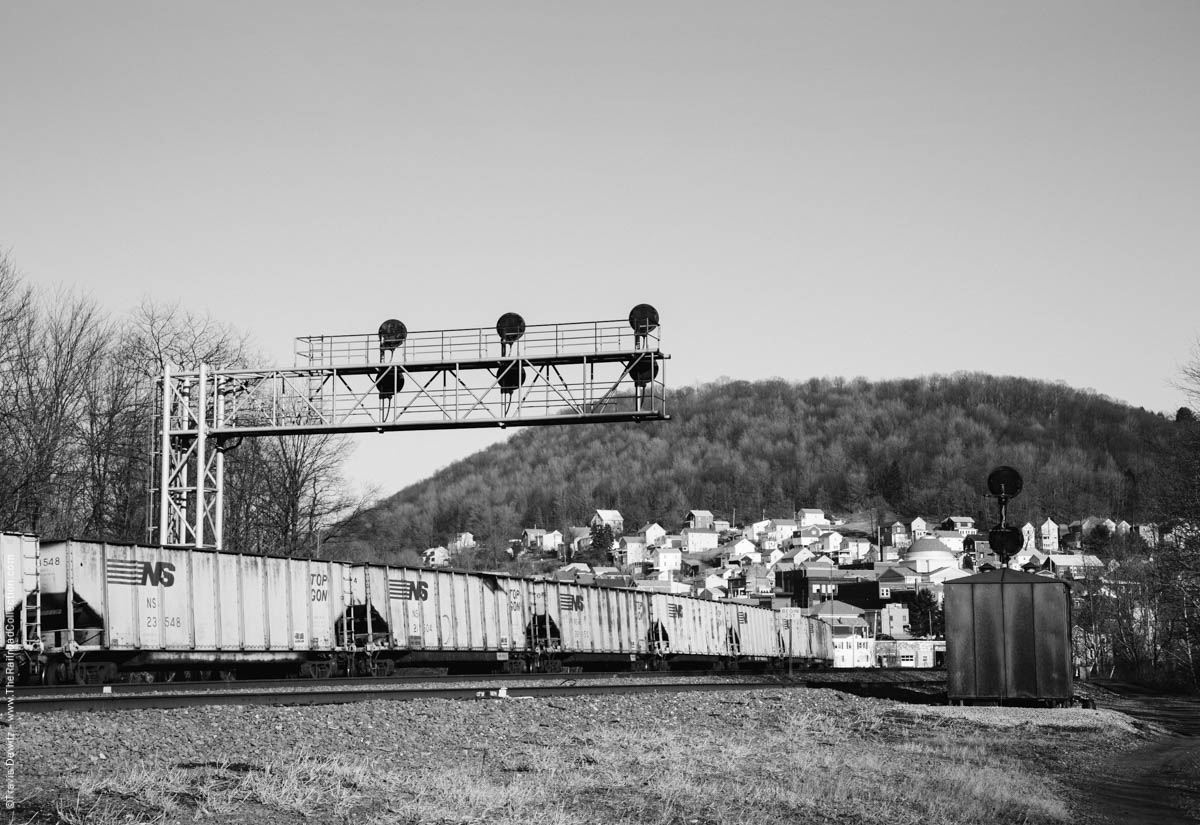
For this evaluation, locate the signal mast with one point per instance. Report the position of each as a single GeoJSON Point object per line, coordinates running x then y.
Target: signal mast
{"type": "Point", "coordinates": [390, 380]}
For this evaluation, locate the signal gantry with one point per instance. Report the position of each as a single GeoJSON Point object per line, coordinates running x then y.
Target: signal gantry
{"type": "Point", "coordinates": [396, 379]}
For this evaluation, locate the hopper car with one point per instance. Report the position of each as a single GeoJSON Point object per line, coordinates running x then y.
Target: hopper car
{"type": "Point", "coordinates": [95, 611]}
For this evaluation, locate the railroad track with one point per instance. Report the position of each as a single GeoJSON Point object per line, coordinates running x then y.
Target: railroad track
{"type": "Point", "coordinates": [409, 688]}
{"type": "Point", "coordinates": [305, 693]}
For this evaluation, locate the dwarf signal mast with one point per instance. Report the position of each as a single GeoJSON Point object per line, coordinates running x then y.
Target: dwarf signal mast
{"type": "Point", "coordinates": [391, 380]}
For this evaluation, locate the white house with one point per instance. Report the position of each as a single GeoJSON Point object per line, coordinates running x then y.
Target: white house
{"type": "Point", "coordinates": [830, 543]}
{"type": "Point", "coordinates": [898, 535]}
{"type": "Point", "coordinates": [756, 530]}
{"type": "Point", "coordinates": [854, 549]}
{"type": "Point", "coordinates": [1074, 565]}
{"type": "Point", "coordinates": [781, 529]}
{"type": "Point", "coordinates": [666, 559]}
{"type": "Point", "coordinates": [810, 517]}
{"type": "Point", "coordinates": [652, 534]}
{"type": "Point", "coordinates": [610, 517]}
{"type": "Point", "coordinates": [1048, 536]}
{"type": "Point", "coordinates": [436, 557]}
{"type": "Point", "coordinates": [699, 539]}
{"type": "Point", "coordinates": [737, 548]}
{"type": "Point", "coordinates": [630, 550]}
{"type": "Point", "coordinates": [462, 541]}
{"type": "Point", "coordinates": [918, 528]}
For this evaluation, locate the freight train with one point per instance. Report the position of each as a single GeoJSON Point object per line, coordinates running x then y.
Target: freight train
{"type": "Point", "coordinates": [92, 612]}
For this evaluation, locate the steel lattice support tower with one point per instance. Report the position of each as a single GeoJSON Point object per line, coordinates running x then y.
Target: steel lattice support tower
{"type": "Point", "coordinates": [592, 372]}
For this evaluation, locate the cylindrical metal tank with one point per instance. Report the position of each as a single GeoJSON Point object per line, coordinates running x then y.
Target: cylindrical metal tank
{"type": "Point", "coordinates": [1008, 638]}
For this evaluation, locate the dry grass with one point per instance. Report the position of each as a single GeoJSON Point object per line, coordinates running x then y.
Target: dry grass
{"type": "Point", "coordinates": [871, 762]}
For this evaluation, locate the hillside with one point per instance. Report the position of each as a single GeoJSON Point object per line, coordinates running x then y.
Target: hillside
{"type": "Point", "coordinates": [906, 447]}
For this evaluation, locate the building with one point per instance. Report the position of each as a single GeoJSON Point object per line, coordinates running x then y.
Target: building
{"type": "Point", "coordinates": [610, 517]}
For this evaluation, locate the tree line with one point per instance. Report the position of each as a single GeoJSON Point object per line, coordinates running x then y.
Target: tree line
{"type": "Point", "coordinates": [746, 450]}
{"type": "Point", "coordinates": [77, 412]}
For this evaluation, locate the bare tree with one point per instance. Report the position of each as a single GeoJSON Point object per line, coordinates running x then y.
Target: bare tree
{"type": "Point", "coordinates": [285, 493]}
{"type": "Point", "coordinates": [53, 347]}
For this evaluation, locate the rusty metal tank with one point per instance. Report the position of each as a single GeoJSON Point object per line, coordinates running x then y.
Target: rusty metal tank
{"type": "Point", "coordinates": [1008, 639]}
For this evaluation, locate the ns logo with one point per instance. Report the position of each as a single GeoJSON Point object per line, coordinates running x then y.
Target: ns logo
{"type": "Point", "coordinates": [141, 572]}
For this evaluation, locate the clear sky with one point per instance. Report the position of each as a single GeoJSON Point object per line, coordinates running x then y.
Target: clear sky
{"type": "Point", "coordinates": [802, 189]}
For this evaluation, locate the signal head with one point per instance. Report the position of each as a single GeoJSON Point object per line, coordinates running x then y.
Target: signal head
{"type": "Point", "coordinates": [643, 318]}
{"type": "Point", "coordinates": [510, 327]}
{"type": "Point", "coordinates": [1004, 481]}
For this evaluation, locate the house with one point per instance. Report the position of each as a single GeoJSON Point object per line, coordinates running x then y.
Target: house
{"type": "Point", "coordinates": [830, 543]}
{"type": "Point", "coordinates": [918, 528]}
{"type": "Point", "coordinates": [700, 519]}
{"type": "Point", "coordinates": [895, 580]}
{"type": "Point", "coordinates": [893, 620]}
{"type": "Point", "coordinates": [1148, 533]}
{"type": "Point", "coordinates": [738, 548]}
{"type": "Point", "coordinates": [963, 525]}
{"type": "Point", "coordinates": [805, 536]}
{"type": "Point", "coordinates": [853, 642]}
{"type": "Point", "coordinates": [580, 539]}
{"type": "Point", "coordinates": [897, 535]}
{"type": "Point", "coordinates": [1048, 536]}
{"type": "Point", "coordinates": [462, 541]}
{"type": "Point", "coordinates": [537, 539]}
{"type": "Point", "coordinates": [666, 560]}
{"type": "Point", "coordinates": [1123, 528]}
{"type": "Point", "coordinates": [699, 539]}
{"type": "Point", "coordinates": [610, 517]}
{"type": "Point", "coordinates": [630, 550]}
{"type": "Point", "coordinates": [756, 530]}
{"type": "Point", "coordinates": [854, 549]}
{"type": "Point", "coordinates": [436, 557]}
{"type": "Point", "coordinates": [811, 518]}
{"type": "Point", "coordinates": [721, 525]}
{"type": "Point", "coordinates": [781, 529]}
{"type": "Point", "coordinates": [1028, 559]}
{"type": "Point", "coordinates": [1074, 566]}
{"type": "Point", "coordinates": [951, 538]}
{"type": "Point", "coordinates": [652, 534]}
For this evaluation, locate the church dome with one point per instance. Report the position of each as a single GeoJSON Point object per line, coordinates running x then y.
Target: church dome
{"type": "Point", "coordinates": [928, 554]}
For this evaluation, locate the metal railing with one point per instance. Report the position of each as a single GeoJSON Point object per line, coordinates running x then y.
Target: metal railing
{"type": "Point", "coordinates": [471, 344]}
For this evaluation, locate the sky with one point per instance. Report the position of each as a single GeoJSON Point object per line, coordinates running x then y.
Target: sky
{"type": "Point", "coordinates": [801, 189]}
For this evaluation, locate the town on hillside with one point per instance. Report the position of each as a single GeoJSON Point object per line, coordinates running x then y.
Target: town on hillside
{"type": "Point", "coordinates": [880, 582]}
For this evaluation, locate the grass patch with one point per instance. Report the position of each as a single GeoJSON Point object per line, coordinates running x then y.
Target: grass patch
{"type": "Point", "coordinates": [868, 763]}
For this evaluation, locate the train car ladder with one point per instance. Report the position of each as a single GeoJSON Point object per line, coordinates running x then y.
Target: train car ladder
{"type": "Point", "coordinates": [31, 633]}
{"type": "Point", "coordinates": [347, 607]}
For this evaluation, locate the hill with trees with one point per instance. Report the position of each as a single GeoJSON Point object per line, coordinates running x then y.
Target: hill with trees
{"type": "Point", "coordinates": [921, 446]}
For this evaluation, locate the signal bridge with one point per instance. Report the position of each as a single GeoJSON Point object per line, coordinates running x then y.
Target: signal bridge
{"type": "Point", "coordinates": [512, 375]}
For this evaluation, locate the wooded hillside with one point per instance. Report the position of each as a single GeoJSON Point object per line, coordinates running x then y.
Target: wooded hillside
{"type": "Point", "coordinates": [921, 446]}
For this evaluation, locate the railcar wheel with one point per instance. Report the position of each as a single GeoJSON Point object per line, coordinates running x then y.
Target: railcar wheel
{"type": "Point", "coordinates": [55, 672]}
